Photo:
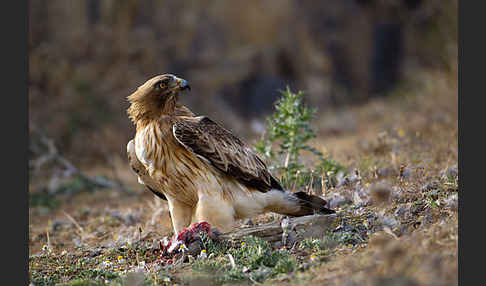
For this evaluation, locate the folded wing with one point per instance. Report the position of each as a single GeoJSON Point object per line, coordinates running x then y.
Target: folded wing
{"type": "Point", "coordinates": [226, 152]}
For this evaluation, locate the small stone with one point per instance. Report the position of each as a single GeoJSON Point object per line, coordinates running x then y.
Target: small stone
{"type": "Point", "coordinates": [194, 248]}
{"type": "Point", "coordinates": [304, 266]}
{"type": "Point", "coordinates": [385, 172]}
{"type": "Point", "coordinates": [248, 223]}
{"type": "Point", "coordinates": [417, 208]}
{"type": "Point", "coordinates": [430, 186]}
{"type": "Point", "coordinates": [451, 202]}
{"type": "Point", "coordinates": [58, 225]}
{"type": "Point", "coordinates": [390, 222]}
{"type": "Point", "coordinates": [403, 211]}
{"type": "Point", "coordinates": [341, 179]}
{"type": "Point", "coordinates": [404, 172]}
{"type": "Point", "coordinates": [338, 201]}
{"type": "Point", "coordinates": [116, 215]}
{"type": "Point", "coordinates": [380, 193]}
{"type": "Point", "coordinates": [360, 199]}
{"type": "Point", "coordinates": [429, 219]}
{"type": "Point", "coordinates": [450, 172]}
{"type": "Point", "coordinates": [95, 253]}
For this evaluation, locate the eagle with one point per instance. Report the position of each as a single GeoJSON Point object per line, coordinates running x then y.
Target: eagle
{"type": "Point", "coordinates": [206, 173]}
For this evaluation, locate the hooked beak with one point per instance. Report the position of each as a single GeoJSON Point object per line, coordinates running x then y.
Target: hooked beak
{"type": "Point", "coordinates": [182, 84]}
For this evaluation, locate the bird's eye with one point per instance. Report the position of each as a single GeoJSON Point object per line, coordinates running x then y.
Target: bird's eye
{"type": "Point", "coordinates": [162, 84]}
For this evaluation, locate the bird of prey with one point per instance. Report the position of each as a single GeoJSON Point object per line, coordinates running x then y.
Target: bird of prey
{"type": "Point", "coordinates": [205, 173]}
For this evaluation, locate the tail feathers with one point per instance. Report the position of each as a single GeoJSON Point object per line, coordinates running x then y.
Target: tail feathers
{"type": "Point", "coordinates": [295, 204]}
{"type": "Point", "coordinates": [310, 204]}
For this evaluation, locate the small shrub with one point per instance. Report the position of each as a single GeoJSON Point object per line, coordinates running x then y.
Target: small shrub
{"type": "Point", "coordinates": [310, 243]}
{"type": "Point", "coordinates": [218, 248]}
{"type": "Point", "coordinates": [290, 127]}
{"type": "Point", "coordinates": [320, 247]}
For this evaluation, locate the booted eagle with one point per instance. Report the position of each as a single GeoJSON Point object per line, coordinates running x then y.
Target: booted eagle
{"type": "Point", "coordinates": [205, 173]}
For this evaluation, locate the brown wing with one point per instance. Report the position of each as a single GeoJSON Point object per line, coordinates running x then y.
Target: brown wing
{"type": "Point", "coordinates": [226, 152]}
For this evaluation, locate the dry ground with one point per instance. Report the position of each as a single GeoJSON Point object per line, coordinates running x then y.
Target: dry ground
{"type": "Point", "coordinates": [401, 215]}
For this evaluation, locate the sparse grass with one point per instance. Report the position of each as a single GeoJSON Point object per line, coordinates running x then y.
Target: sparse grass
{"type": "Point", "coordinates": [255, 261]}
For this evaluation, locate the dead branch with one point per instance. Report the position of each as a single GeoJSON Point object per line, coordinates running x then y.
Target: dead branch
{"type": "Point", "coordinates": [53, 155]}
{"type": "Point", "coordinates": [295, 229]}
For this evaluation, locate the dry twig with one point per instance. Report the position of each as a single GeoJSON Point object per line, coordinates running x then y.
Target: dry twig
{"type": "Point", "coordinates": [69, 169]}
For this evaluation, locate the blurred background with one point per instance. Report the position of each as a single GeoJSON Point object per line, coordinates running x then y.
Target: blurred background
{"type": "Point", "coordinates": [85, 57]}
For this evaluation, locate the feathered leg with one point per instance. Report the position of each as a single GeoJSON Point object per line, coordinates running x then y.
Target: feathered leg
{"type": "Point", "coordinates": [180, 214]}
{"type": "Point", "coordinates": [218, 212]}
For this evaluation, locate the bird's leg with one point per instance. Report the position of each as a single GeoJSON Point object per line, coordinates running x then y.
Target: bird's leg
{"type": "Point", "coordinates": [218, 212]}
{"type": "Point", "coordinates": [180, 214]}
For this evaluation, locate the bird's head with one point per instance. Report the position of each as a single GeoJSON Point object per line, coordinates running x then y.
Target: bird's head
{"type": "Point", "coordinates": [157, 96]}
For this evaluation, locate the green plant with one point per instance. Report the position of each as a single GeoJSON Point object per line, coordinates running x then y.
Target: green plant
{"type": "Point", "coordinates": [290, 127]}
{"type": "Point", "coordinates": [311, 244]}
{"type": "Point", "coordinates": [218, 248]}
{"type": "Point", "coordinates": [256, 253]}
{"type": "Point", "coordinates": [81, 282]}
{"type": "Point", "coordinates": [255, 260]}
